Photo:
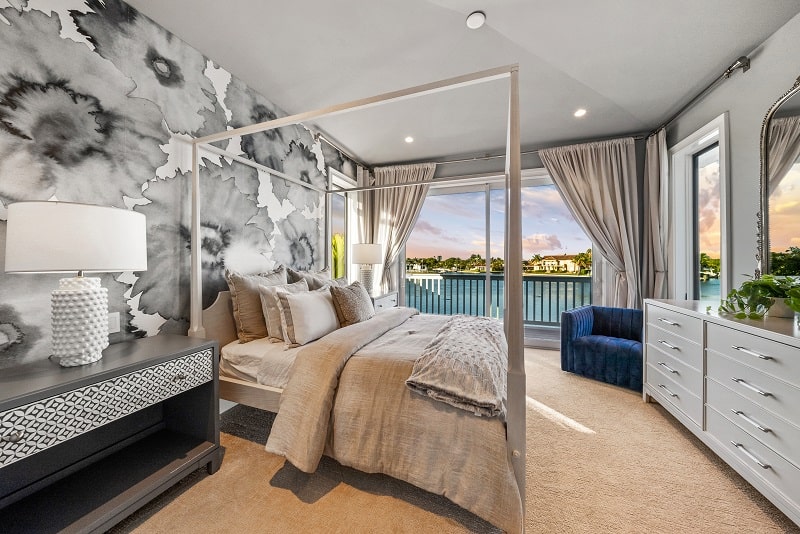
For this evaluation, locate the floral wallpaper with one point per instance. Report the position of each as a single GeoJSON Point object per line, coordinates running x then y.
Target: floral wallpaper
{"type": "Point", "coordinates": [96, 104]}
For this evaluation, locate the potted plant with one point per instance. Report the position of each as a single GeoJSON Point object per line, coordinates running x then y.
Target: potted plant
{"type": "Point", "coordinates": [793, 301]}
{"type": "Point", "coordinates": [756, 297]}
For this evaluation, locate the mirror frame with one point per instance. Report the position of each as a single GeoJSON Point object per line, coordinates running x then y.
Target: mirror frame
{"type": "Point", "coordinates": [762, 217]}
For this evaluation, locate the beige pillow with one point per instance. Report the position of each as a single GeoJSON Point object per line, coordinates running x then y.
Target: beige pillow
{"type": "Point", "coordinates": [306, 316]}
{"type": "Point", "coordinates": [352, 303]}
{"type": "Point", "coordinates": [316, 280]}
{"type": "Point", "coordinates": [272, 310]}
{"type": "Point", "coordinates": [247, 313]}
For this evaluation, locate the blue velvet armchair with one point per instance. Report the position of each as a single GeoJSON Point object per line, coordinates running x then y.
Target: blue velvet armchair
{"type": "Point", "coordinates": [604, 344]}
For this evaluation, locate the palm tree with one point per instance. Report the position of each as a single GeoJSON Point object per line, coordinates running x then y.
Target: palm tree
{"type": "Point", "coordinates": [583, 260]}
{"type": "Point", "coordinates": [536, 260]}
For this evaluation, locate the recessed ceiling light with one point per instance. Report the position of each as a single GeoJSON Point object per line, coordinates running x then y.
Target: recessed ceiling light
{"type": "Point", "coordinates": [476, 19]}
{"type": "Point", "coordinates": [409, 139]}
{"type": "Point", "coordinates": [580, 112]}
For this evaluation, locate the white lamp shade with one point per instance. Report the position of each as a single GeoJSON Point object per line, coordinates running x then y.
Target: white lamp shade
{"type": "Point", "coordinates": [67, 237]}
{"type": "Point", "coordinates": [367, 253]}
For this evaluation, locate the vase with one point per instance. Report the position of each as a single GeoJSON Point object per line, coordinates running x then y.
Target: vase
{"type": "Point", "coordinates": [780, 309]}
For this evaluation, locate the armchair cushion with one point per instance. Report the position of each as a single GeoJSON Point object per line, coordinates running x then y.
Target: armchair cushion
{"type": "Point", "coordinates": [603, 343]}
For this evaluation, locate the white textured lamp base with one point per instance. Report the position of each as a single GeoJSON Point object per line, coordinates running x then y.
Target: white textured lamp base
{"type": "Point", "coordinates": [80, 321]}
{"type": "Point", "coordinates": [365, 277]}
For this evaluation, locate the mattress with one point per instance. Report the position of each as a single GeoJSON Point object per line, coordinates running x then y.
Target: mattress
{"type": "Point", "coordinates": [259, 361]}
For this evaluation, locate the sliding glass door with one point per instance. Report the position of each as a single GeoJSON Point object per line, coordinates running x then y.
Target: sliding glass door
{"type": "Point", "coordinates": [454, 256]}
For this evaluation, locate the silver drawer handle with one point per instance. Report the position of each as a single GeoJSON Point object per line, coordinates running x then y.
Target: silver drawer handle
{"type": "Point", "coordinates": [750, 455]}
{"type": "Point", "coordinates": [665, 388]}
{"type": "Point", "coordinates": [671, 323]}
{"type": "Point", "coordinates": [668, 368]}
{"type": "Point", "coordinates": [179, 377]}
{"type": "Point", "coordinates": [673, 347]}
{"type": "Point", "coordinates": [752, 388]}
{"type": "Point", "coordinates": [751, 352]}
{"type": "Point", "coordinates": [12, 438]}
{"type": "Point", "coordinates": [754, 423]}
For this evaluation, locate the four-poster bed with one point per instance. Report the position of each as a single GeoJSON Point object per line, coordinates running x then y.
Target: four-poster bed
{"type": "Point", "coordinates": [217, 321]}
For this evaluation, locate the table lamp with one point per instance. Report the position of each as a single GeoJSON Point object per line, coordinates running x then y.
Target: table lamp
{"type": "Point", "coordinates": [366, 255]}
{"type": "Point", "coordinates": [63, 237]}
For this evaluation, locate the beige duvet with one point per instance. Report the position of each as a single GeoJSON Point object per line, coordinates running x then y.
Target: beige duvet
{"type": "Point", "coordinates": [356, 408]}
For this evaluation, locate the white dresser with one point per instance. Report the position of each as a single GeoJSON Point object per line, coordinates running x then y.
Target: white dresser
{"type": "Point", "coordinates": [736, 385]}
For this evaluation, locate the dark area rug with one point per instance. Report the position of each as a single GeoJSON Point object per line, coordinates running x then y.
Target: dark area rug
{"type": "Point", "coordinates": [247, 423]}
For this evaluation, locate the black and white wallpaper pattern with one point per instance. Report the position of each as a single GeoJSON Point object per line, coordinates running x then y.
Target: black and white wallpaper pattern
{"type": "Point", "coordinates": [96, 103]}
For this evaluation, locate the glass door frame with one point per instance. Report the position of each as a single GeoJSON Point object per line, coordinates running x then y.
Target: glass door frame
{"type": "Point", "coordinates": [475, 184]}
{"type": "Point", "coordinates": [338, 184]}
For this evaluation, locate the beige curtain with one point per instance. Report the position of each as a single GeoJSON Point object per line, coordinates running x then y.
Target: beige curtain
{"type": "Point", "coordinates": [656, 217]}
{"type": "Point", "coordinates": [598, 184]}
{"type": "Point", "coordinates": [390, 213]}
{"type": "Point", "coordinates": [783, 148]}
{"type": "Point", "coordinates": [364, 179]}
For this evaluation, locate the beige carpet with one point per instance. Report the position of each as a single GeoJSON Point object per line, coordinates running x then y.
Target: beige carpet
{"type": "Point", "coordinates": [599, 460]}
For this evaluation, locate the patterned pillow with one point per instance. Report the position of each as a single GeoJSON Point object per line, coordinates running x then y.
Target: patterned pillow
{"type": "Point", "coordinates": [352, 303]}
{"type": "Point", "coordinates": [306, 316]}
{"type": "Point", "coordinates": [272, 310]}
{"type": "Point", "coordinates": [247, 312]}
{"type": "Point", "coordinates": [315, 280]}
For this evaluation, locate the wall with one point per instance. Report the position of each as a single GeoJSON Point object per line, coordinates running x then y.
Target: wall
{"type": "Point", "coordinates": [746, 96]}
{"type": "Point", "coordinates": [96, 104]}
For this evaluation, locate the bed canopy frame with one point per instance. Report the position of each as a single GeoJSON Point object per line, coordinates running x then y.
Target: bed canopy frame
{"type": "Point", "coordinates": [512, 313]}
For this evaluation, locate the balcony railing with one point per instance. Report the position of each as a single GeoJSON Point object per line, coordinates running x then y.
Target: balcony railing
{"type": "Point", "coordinates": [544, 297]}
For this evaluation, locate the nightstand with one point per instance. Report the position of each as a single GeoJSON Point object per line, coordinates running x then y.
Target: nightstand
{"type": "Point", "coordinates": [387, 300]}
{"type": "Point", "coordinates": [83, 447]}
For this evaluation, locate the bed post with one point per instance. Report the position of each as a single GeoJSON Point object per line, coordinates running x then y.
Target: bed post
{"type": "Point", "coordinates": [513, 291]}
{"type": "Point", "coordinates": [196, 297]}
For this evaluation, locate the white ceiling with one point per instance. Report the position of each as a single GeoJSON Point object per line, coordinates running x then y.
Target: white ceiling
{"type": "Point", "coordinates": [631, 63]}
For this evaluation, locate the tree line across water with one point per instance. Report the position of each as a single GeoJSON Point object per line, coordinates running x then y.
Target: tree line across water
{"type": "Point", "coordinates": [476, 263]}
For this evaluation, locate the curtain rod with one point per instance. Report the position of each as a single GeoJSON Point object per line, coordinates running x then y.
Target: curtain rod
{"type": "Point", "coordinates": [742, 62]}
{"type": "Point", "coordinates": [493, 156]}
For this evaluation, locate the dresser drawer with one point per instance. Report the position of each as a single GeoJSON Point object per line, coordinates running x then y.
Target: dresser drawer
{"type": "Point", "coordinates": [687, 327]}
{"type": "Point", "coordinates": [771, 357]}
{"type": "Point", "coordinates": [689, 352]}
{"type": "Point", "coordinates": [778, 434]}
{"type": "Point", "coordinates": [675, 394]}
{"type": "Point", "coordinates": [777, 396]}
{"type": "Point", "coordinates": [773, 470]}
{"type": "Point", "coordinates": [684, 374]}
{"type": "Point", "coordinates": [34, 427]}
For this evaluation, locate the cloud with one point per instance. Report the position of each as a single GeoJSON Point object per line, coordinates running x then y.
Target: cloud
{"type": "Point", "coordinates": [424, 227]}
{"type": "Point", "coordinates": [540, 243]}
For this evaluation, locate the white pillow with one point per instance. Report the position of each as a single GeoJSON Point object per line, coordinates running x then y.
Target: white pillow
{"type": "Point", "coordinates": [306, 316]}
{"type": "Point", "coordinates": [271, 309]}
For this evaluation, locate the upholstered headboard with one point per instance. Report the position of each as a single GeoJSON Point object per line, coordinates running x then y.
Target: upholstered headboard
{"type": "Point", "coordinates": [218, 320]}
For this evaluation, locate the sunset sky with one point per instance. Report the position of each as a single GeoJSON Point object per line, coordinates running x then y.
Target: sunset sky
{"type": "Point", "coordinates": [708, 206]}
{"type": "Point", "coordinates": [784, 212]}
{"type": "Point", "coordinates": [453, 225]}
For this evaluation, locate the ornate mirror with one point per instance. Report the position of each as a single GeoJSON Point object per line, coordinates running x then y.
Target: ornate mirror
{"type": "Point", "coordinates": [779, 216]}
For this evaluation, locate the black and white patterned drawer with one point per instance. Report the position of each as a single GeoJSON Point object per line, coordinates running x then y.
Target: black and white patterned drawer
{"type": "Point", "coordinates": [34, 427]}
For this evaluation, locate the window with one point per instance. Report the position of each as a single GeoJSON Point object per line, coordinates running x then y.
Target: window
{"type": "Point", "coordinates": [698, 258]}
{"type": "Point", "coordinates": [340, 220]}
{"type": "Point", "coordinates": [461, 231]}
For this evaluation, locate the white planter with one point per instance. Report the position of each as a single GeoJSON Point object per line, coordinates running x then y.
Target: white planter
{"type": "Point", "coordinates": [780, 309]}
